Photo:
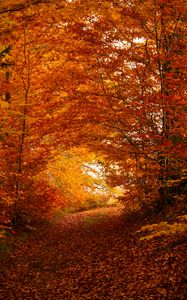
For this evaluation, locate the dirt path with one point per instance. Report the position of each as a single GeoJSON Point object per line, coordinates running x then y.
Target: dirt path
{"type": "Point", "coordinates": [92, 255]}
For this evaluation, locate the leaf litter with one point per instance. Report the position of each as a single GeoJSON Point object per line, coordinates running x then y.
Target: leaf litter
{"type": "Point", "coordinates": [77, 258]}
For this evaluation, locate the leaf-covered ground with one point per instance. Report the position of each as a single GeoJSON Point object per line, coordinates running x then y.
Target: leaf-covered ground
{"type": "Point", "coordinates": [93, 255]}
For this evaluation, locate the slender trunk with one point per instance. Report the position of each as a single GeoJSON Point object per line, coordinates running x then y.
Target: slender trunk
{"type": "Point", "coordinates": [21, 146]}
{"type": "Point", "coordinates": [25, 77]}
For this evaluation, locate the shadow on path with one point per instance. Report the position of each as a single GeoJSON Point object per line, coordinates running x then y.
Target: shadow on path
{"type": "Point", "coordinates": [92, 255]}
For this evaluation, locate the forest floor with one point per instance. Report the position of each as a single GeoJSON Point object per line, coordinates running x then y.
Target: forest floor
{"type": "Point", "coordinates": [93, 255]}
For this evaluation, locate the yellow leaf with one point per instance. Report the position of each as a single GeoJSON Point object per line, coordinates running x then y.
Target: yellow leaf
{"type": "Point", "coordinates": [64, 94]}
{"type": "Point", "coordinates": [115, 15]}
{"type": "Point", "coordinates": [110, 83]}
{"type": "Point", "coordinates": [4, 104]}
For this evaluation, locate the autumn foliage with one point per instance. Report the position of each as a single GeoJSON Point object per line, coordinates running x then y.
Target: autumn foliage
{"type": "Point", "coordinates": [93, 174]}
{"type": "Point", "coordinates": [105, 76]}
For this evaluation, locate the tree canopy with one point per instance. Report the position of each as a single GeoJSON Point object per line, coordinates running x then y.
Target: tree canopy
{"type": "Point", "coordinates": [104, 77]}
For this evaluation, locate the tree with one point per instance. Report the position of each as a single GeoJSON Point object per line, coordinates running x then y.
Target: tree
{"type": "Point", "coordinates": [79, 76]}
{"type": "Point", "coordinates": [140, 83]}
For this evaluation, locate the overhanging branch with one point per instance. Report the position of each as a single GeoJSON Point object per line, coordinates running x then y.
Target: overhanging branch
{"type": "Point", "coordinates": [22, 5]}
